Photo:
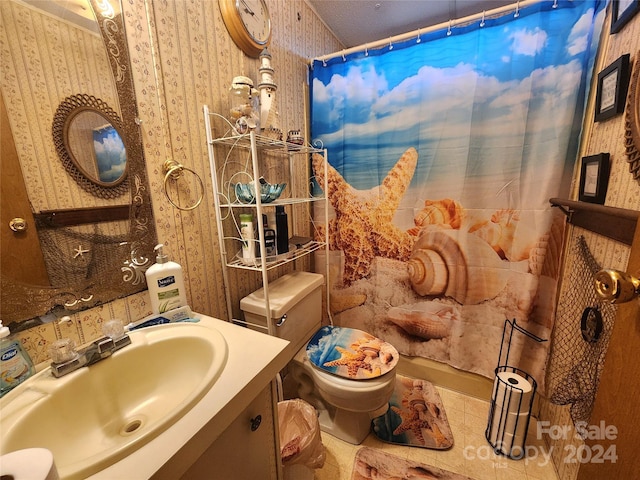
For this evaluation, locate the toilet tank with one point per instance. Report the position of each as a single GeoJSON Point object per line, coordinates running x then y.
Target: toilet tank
{"type": "Point", "coordinates": [298, 295]}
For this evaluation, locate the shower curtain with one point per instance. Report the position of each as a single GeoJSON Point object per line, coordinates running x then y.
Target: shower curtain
{"type": "Point", "coordinates": [443, 153]}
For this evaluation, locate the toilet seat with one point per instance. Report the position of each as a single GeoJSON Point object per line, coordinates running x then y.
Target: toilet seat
{"type": "Point", "coordinates": [350, 354]}
{"type": "Point", "coordinates": [363, 395]}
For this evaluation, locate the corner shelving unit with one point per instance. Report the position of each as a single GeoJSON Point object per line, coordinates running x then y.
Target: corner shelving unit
{"type": "Point", "coordinates": [261, 153]}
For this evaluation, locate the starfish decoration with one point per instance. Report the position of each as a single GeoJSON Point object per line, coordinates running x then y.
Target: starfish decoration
{"type": "Point", "coordinates": [353, 361]}
{"type": "Point", "coordinates": [411, 421]}
{"type": "Point", "coordinates": [80, 252]}
{"type": "Point", "coordinates": [363, 227]}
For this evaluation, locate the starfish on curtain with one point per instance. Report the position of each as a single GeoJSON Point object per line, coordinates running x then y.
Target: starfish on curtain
{"type": "Point", "coordinates": [363, 227]}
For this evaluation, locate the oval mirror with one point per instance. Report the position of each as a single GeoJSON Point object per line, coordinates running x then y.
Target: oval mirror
{"type": "Point", "coordinates": [88, 139]}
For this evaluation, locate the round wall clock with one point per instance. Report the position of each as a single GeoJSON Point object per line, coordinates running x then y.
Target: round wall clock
{"type": "Point", "coordinates": [248, 23]}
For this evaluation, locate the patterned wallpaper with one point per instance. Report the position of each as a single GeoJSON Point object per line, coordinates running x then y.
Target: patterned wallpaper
{"type": "Point", "coordinates": [194, 61]}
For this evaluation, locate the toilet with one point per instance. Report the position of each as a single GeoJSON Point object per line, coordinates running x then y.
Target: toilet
{"type": "Point", "coordinates": [348, 375]}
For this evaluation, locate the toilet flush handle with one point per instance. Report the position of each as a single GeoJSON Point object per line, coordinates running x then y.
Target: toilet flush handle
{"type": "Point", "coordinates": [283, 319]}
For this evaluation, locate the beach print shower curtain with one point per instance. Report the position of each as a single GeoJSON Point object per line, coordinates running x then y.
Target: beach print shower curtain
{"type": "Point", "coordinates": [443, 153]}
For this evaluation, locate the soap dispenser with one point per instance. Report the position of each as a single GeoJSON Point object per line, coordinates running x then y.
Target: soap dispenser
{"type": "Point", "coordinates": [165, 283]}
{"type": "Point", "coordinates": [15, 364]}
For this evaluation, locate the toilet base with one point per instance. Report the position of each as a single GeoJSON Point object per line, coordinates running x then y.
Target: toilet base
{"type": "Point", "coordinates": [350, 427]}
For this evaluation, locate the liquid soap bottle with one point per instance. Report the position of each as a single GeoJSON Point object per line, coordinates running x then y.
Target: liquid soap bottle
{"type": "Point", "coordinates": [165, 283]}
{"type": "Point", "coordinates": [15, 364]}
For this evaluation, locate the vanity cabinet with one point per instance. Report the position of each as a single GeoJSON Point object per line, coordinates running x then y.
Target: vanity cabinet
{"type": "Point", "coordinates": [255, 159]}
{"type": "Point", "coordinates": [246, 450]}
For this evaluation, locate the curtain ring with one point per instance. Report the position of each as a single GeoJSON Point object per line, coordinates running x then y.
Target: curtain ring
{"type": "Point", "coordinates": [173, 170]}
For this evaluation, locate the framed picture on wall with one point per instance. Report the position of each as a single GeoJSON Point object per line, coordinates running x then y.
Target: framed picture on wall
{"type": "Point", "coordinates": [594, 178]}
{"type": "Point", "coordinates": [613, 83]}
{"type": "Point", "coordinates": [621, 12]}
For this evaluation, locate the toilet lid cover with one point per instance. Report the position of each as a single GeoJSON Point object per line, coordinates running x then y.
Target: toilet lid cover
{"type": "Point", "coordinates": [351, 353]}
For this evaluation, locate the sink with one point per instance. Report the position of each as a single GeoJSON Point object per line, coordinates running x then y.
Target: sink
{"type": "Point", "coordinates": [97, 415]}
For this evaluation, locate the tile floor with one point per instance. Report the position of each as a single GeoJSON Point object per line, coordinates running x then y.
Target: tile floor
{"type": "Point", "coordinates": [471, 454]}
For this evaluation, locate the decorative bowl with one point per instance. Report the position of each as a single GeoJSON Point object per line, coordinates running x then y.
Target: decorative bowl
{"type": "Point", "coordinates": [269, 192]}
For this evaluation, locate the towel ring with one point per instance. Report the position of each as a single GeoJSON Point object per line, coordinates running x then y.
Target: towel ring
{"type": "Point", "coordinates": [173, 169]}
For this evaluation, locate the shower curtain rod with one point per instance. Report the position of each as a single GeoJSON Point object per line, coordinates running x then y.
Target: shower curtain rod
{"type": "Point", "coordinates": [496, 12]}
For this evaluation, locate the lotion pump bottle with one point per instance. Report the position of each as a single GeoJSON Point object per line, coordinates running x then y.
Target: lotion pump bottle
{"type": "Point", "coordinates": [248, 237]}
{"type": "Point", "coordinates": [15, 364]}
{"type": "Point", "coordinates": [165, 283]}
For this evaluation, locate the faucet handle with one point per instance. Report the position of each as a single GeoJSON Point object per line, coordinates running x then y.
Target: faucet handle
{"type": "Point", "coordinates": [63, 350]}
{"type": "Point", "coordinates": [114, 329]}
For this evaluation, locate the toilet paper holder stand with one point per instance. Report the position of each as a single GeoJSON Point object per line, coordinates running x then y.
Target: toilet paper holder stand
{"type": "Point", "coordinates": [511, 399]}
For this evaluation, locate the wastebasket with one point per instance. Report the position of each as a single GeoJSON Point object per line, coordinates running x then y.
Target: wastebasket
{"type": "Point", "coordinates": [301, 446]}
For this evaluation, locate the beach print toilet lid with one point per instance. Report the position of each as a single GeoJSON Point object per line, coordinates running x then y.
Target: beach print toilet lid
{"type": "Point", "coordinates": [351, 353]}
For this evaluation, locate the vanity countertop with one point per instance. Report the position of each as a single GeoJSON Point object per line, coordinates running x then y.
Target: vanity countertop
{"type": "Point", "coordinates": [254, 359]}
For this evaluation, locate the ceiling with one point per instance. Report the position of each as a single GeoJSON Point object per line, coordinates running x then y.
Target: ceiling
{"type": "Point", "coordinates": [357, 22]}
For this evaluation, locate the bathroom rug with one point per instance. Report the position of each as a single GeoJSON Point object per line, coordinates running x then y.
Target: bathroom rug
{"type": "Point", "coordinates": [371, 463]}
{"type": "Point", "coordinates": [415, 418]}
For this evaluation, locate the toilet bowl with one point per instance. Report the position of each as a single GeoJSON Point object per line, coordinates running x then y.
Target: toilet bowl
{"type": "Point", "coordinates": [346, 374]}
{"type": "Point", "coordinates": [345, 406]}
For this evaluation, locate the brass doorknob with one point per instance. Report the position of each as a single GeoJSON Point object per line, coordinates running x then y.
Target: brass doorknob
{"type": "Point", "coordinates": [615, 286]}
{"type": "Point", "coordinates": [18, 224]}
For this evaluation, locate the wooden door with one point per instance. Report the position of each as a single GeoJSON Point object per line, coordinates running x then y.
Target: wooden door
{"type": "Point", "coordinates": [20, 255]}
{"type": "Point", "coordinates": [618, 397]}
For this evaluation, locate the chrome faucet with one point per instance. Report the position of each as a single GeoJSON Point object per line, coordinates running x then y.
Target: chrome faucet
{"type": "Point", "coordinates": [66, 359]}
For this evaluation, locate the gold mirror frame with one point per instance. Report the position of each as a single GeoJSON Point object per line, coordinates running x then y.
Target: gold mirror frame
{"type": "Point", "coordinates": [632, 122]}
{"type": "Point", "coordinates": [21, 302]}
{"type": "Point", "coordinates": [68, 111]}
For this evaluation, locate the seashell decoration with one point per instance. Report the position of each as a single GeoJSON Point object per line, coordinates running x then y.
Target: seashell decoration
{"type": "Point", "coordinates": [544, 257]}
{"type": "Point", "coordinates": [457, 264]}
{"type": "Point", "coordinates": [510, 239]}
{"type": "Point", "coordinates": [438, 212]}
{"type": "Point", "coordinates": [428, 320]}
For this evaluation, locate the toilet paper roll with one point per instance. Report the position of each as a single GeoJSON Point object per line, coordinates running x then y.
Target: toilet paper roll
{"type": "Point", "coordinates": [512, 392]}
{"type": "Point", "coordinates": [505, 424]}
{"type": "Point", "coordinates": [511, 445]}
{"type": "Point", "coordinates": [29, 464]}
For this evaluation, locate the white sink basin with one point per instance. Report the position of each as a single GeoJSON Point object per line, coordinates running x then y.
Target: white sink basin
{"type": "Point", "coordinates": [97, 415]}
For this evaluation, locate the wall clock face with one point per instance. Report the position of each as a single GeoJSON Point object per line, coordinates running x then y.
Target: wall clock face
{"type": "Point", "coordinates": [248, 23]}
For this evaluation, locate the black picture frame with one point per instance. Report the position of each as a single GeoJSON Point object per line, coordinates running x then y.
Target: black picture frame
{"type": "Point", "coordinates": [594, 178]}
{"type": "Point", "coordinates": [621, 12]}
{"type": "Point", "coordinates": [613, 83]}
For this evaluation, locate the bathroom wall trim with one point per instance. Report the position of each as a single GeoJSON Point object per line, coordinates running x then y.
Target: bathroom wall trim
{"type": "Point", "coordinates": [446, 376]}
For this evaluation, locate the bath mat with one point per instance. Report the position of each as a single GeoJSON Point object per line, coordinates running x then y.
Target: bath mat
{"type": "Point", "coordinates": [351, 353]}
{"type": "Point", "coordinates": [371, 463]}
{"type": "Point", "coordinates": [415, 417]}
